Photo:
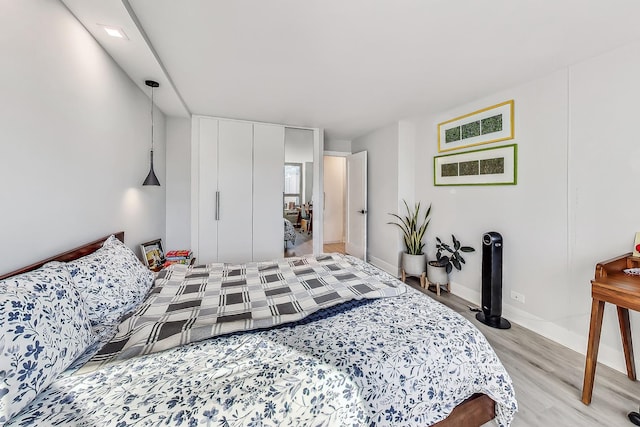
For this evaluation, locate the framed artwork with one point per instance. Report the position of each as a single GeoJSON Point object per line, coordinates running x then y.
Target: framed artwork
{"type": "Point", "coordinates": [491, 124]}
{"type": "Point", "coordinates": [636, 246]}
{"type": "Point", "coordinates": [153, 254]}
{"type": "Point", "coordinates": [486, 166]}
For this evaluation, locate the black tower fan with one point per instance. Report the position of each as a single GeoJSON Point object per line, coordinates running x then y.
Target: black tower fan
{"type": "Point", "coordinates": [492, 282]}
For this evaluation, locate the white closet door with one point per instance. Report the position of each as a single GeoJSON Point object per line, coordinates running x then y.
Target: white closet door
{"type": "Point", "coordinates": [235, 164]}
{"type": "Point", "coordinates": [268, 186]}
{"type": "Point", "coordinates": [207, 250]}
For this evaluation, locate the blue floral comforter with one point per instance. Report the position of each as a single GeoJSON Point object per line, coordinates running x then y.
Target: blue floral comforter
{"type": "Point", "coordinates": [406, 361]}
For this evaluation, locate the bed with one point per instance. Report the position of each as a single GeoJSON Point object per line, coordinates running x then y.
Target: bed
{"type": "Point", "coordinates": [394, 360]}
{"type": "Point", "coordinates": [289, 233]}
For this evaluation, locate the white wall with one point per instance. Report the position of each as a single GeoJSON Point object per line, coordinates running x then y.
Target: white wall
{"type": "Point", "coordinates": [75, 140]}
{"type": "Point", "coordinates": [383, 240]}
{"type": "Point", "coordinates": [339, 145]}
{"type": "Point", "coordinates": [577, 158]}
{"type": "Point", "coordinates": [407, 179]}
{"type": "Point", "coordinates": [406, 163]}
{"type": "Point", "coordinates": [178, 183]}
{"type": "Point", "coordinates": [334, 201]}
{"type": "Point", "coordinates": [604, 209]}
{"type": "Point", "coordinates": [531, 216]}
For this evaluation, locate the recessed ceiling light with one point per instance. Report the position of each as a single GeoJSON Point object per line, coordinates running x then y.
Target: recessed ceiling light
{"type": "Point", "coordinates": [115, 32]}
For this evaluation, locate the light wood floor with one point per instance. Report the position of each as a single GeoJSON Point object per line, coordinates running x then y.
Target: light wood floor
{"type": "Point", "coordinates": [306, 248]}
{"type": "Point", "coordinates": [548, 377]}
{"type": "Point", "coordinates": [334, 247]}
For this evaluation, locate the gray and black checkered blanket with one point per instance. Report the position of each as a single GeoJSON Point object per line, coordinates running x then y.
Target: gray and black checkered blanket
{"type": "Point", "coordinates": [189, 304]}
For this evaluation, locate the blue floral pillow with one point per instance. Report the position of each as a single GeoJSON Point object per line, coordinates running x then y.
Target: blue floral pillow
{"type": "Point", "coordinates": [44, 328]}
{"type": "Point", "coordinates": [111, 280]}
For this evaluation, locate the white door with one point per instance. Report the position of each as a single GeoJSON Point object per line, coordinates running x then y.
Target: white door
{"type": "Point", "coordinates": [268, 185]}
{"type": "Point", "coordinates": [356, 234]}
{"type": "Point", "coordinates": [235, 182]}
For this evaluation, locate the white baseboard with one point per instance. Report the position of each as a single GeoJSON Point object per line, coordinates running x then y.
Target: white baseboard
{"type": "Point", "coordinates": [394, 270]}
{"type": "Point", "coordinates": [607, 355]}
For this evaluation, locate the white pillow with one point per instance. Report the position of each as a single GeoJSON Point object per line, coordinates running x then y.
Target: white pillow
{"type": "Point", "coordinates": [44, 328]}
{"type": "Point", "coordinates": [111, 280]}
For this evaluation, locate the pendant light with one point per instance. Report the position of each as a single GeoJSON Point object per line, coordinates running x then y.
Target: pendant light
{"type": "Point", "coordinates": [151, 179]}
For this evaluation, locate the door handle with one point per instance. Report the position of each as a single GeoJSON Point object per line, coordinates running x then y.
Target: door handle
{"type": "Point", "coordinates": [362, 211]}
{"type": "Point", "coordinates": [217, 205]}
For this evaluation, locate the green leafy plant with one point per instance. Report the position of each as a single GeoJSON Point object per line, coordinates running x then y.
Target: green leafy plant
{"type": "Point", "coordinates": [454, 258]}
{"type": "Point", "coordinates": [412, 231]}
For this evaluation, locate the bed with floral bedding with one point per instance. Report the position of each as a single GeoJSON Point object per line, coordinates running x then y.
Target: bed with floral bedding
{"type": "Point", "coordinates": [289, 233]}
{"type": "Point", "coordinates": [390, 360]}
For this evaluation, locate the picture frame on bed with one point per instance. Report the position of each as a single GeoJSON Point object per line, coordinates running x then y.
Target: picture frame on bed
{"type": "Point", "coordinates": [153, 254]}
{"type": "Point", "coordinates": [485, 126]}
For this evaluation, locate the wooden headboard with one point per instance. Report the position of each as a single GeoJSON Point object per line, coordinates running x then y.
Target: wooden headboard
{"type": "Point", "coordinates": [67, 256]}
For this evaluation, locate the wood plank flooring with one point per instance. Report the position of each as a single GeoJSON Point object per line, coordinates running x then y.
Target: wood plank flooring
{"type": "Point", "coordinates": [306, 248]}
{"type": "Point", "coordinates": [334, 247]}
{"type": "Point", "coordinates": [548, 377]}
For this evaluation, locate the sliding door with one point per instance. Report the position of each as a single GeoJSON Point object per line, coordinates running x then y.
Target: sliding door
{"type": "Point", "coordinates": [268, 188]}
{"type": "Point", "coordinates": [207, 158]}
{"type": "Point", "coordinates": [235, 172]}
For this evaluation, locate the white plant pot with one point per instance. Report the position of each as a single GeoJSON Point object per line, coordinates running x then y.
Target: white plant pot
{"type": "Point", "coordinates": [437, 275]}
{"type": "Point", "coordinates": [414, 265]}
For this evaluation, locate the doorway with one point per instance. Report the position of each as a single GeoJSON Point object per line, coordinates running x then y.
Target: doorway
{"type": "Point", "coordinates": [345, 199]}
{"type": "Point", "coordinates": [335, 185]}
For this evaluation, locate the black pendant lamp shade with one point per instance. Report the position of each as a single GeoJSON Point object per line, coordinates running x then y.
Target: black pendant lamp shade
{"type": "Point", "coordinates": [151, 178]}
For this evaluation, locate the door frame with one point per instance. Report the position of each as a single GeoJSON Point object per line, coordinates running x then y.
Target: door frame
{"type": "Point", "coordinates": [337, 154]}
{"type": "Point", "coordinates": [318, 190]}
{"type": "Point", "coordinates": [318, 187]}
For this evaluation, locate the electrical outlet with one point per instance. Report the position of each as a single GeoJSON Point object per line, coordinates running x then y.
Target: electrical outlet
{"type": "Point", "coordinates": [517, 296]}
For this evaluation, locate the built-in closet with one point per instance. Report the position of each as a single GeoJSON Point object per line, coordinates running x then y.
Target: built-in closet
{"type": "Point", "coordinates": [237, 188]}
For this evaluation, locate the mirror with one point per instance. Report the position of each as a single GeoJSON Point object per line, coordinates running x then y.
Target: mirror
{"type": "Point", "coordinates": [298, 188]}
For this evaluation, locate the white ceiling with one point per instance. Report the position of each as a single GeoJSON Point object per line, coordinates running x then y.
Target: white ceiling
{"type": "Point", "coordinates": [348, 66]}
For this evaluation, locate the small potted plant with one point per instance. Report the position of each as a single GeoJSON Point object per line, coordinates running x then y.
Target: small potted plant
{"type": "Point", "coordinates": [414, 262]}
{"type": "Point", "coordinates": [448, 257]}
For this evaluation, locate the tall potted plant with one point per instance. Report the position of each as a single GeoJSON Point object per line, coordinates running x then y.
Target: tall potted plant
{"type": "Point", "coordinates": [413, 227]}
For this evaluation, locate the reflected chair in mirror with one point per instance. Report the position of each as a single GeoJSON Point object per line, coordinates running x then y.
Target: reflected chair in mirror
{"type": "Point", "coordinates": [306, 218]}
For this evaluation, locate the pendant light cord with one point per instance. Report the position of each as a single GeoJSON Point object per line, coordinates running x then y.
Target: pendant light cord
{"type": "Point", "coordinates": [151, 178]}
{"type": "Point", "coordinates": [152, 119]}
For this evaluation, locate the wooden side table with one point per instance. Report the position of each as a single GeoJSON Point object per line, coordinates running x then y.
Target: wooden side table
{"type": "Point", "coordinates": [611, 285]}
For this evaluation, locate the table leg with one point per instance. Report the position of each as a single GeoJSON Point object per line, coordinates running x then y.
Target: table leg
{"type": "Point", "coordinates": [627, 344]}
{"type": "Point", "coordinates": [595, 327]}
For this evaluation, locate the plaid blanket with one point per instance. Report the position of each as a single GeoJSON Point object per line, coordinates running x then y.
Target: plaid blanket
{"type": "Point", "coordinates": [190, 304]}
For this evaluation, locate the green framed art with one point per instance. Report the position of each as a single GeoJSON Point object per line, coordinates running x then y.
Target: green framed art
{"type": "Point", "coordinates": [486, 166]}
{"type": "Point", "coordinates": [491, 124]}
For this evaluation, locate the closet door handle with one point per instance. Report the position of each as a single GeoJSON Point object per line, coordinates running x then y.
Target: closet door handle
{"type": "Point", "coordinates": [217, 205]}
